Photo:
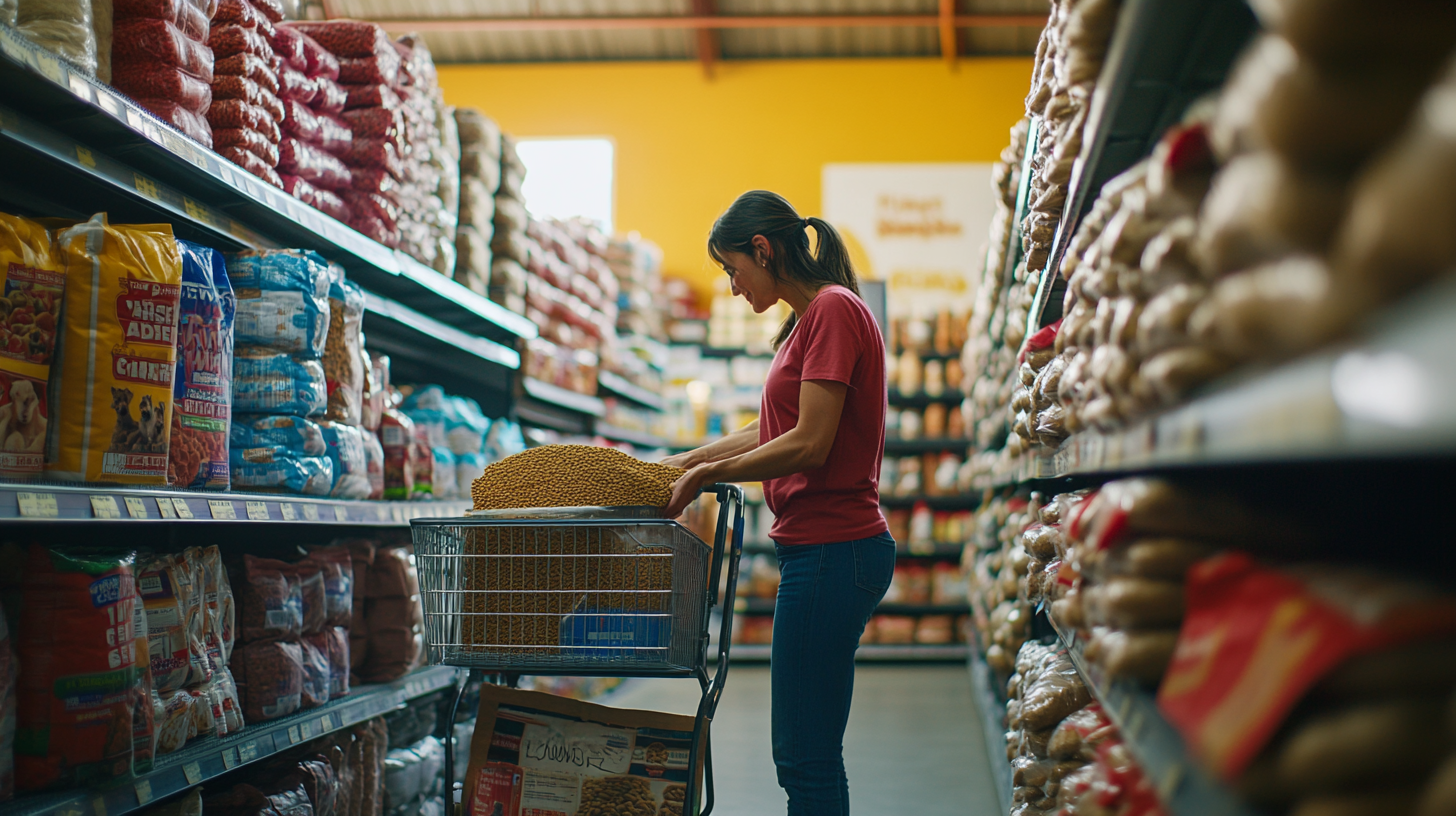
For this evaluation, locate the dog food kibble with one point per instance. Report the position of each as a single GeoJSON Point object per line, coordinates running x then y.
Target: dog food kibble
{"type": "Point", "coordinates": [573, 476]}
{"type": "Point", "coordinates": [617, 796]}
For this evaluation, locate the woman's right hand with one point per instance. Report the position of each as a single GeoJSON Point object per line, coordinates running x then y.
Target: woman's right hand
{"type": "Point", "coordinates": [686, 461]}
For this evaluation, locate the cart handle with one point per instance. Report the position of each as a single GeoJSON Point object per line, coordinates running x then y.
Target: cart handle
{"type": "Point", "coordinates": [729, 496]}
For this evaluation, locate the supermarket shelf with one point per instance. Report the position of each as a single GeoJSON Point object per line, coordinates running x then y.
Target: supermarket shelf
{"type": "Point", "coordinates": [619, 385]}
{"type": "Point", "coordinates": [765, 606]}
{"type": "Point", "coordinates": [37, 502]}
{"type": "Point", "coordinates": [639, 438]}
{"type": "Point", "coordinates": [871, 653]}
{"type": "Point", "coordinates": [204, 193]}
{"type": "Point", "coordinates": [992, 707]}
{"type": "Point", "coordinates": [922, 399]}
{"type": "Point", "coordinates": [210, 757]}
{"type": "Point", "coordinates": [551, 406]}
{"type": "Point", "coordinates": [901, 447]}
{"type": "Point", "coordinates": [958, 501]}
{"type": "Point", "coordinates": [1163, 55]}
{"type": "Point", "coordinates": [436, 352]}
{"type": "Point", "coordinates": [1182, 785]}
{"type": "Point", "coordinates": [1388, 396]}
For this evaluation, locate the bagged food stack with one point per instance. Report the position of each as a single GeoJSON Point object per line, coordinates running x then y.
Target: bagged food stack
{"type": "Point", "coordinates": [247, 113]}
{"type": "Point", "coordinates": [161, 59]}
{"type": "Point", "coordinates": [315, 134]}
{"type": "Point", "coordinates": [430, 153]}
{"type": "Point", "coordinates": [480, 168]}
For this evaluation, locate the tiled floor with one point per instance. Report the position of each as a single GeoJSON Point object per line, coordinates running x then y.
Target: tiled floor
{"type": "Point", "coordinates": [914, 743]}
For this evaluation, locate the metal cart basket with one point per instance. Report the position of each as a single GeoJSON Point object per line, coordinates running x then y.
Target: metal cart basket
{"type": "Point", "coordinates": [582, 591]}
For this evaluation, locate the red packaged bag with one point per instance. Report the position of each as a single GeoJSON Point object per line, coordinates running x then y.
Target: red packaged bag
{"type": "Point", "coordinates": [376, 123]}
{"type": "Point", "coordinates": [252, 163]}
{"type": "Point", "coordinates": [236, 87]}
{"type": "Point", "coordinates": [157, 81]}
{"type": "Point", "coordinates": [371, 205]}
{"type": "Point", "coordinates": [317, 60]}
{"type": "Point", "coordinates": [367, 96]}
{"type": "Point", "coordinates": [272, 10]}
{"type": "Point", "coordinates": [292, 84]}
{"type": "Point", "coordinates": [373, 180]}
{"type": "Point", "coordinates": [77, 632]}
{"type": "Point", "coordinates": [270, 600]}
{"type": "Point", "coordinates": [379, 231]}
{"type": "Point", "coordinates": [316, 681]}
{"type": "Point", "coordinates": [235, 12]}
{"type": "Point", "coordinates": [299, 121]}
{"type": "Point", "coordinates": [245, 138]}
{"type": "Point", "coordinates": [190, 18]}
{"type": "Point", "coordinates": [379, 153]}
{"type": "Point", "coordinates": [191, 124]}
{"type": "Point", "coordinates": [266, 30]}
{"type": "Point", "coordinates": [348, 38]}
{"type": "Point", "coordinates": [248, 66]}
{"type": "Point", "coordinates": [331, 204]}
{"type": "Point", "coordinates": [274, 106]}
{"type": "Point", "coordinates": [232, 39]}
{"type": "Point", "coordinates": [331, 96]}
{"type": "Point", "coordinates": [335, 135]}
{"type": "Point", "coordinates": [311, 164]}
{"type": "Point", "coordinates": [288, 45]}
{"type": "Point", "coordinates": [270, 677]}
{"type": "Point", "coordinates": [235, 113]}
{"type": "Point", "coordinates": [369, 70]}
{"type": "Point", "coordinates": [143, 40]}
{"type": "Point", "coordinates": [334, 644]}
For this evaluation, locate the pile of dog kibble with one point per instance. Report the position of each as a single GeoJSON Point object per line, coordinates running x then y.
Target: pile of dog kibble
{"type": "Point", "coordinates": [573, 476]}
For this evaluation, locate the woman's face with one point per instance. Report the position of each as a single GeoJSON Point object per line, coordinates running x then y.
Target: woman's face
{"type": "Point", "coordinates": [751, 281]}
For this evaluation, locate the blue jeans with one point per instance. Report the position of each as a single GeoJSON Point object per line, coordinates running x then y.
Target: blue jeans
{"type": "Point", "coordinates": [826, 596]}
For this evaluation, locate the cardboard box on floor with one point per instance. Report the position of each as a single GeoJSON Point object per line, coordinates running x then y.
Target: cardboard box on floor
{"type": "Point", "coordinates": [537, 754]}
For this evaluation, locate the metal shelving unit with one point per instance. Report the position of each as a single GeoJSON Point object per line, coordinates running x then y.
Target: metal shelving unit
{"type": "Point", "coordinates": [622, 387]}
{"type": "Point", "coordinates": [992, 704]}
{"type": "Point", "coordinates": [922, 399]}
{"type": "Point", "coordinates": [209, 757]}
{"type": "Point", "coordinates": [903, 447]}
{"type": "Point", "coordinates": [40, 502]}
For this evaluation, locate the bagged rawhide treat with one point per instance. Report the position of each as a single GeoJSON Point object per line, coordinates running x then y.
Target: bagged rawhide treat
{"type": "Point", "coordinates": [535, 751]}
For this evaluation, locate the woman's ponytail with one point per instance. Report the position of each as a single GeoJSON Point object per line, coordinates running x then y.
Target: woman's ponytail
{"type": "Point", "coordinates": [760, 212]}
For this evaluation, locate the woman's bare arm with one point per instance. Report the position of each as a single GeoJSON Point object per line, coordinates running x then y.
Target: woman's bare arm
{"type": "Point", "coordinates": [740, 441]}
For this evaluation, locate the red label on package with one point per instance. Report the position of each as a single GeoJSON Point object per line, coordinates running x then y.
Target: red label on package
{"type": "Point", "coordinates": [1255, 639]}
{"type": "Point", "coordinates": [497, 790]}
{"type": "Point", "coordinates": [148, 312]}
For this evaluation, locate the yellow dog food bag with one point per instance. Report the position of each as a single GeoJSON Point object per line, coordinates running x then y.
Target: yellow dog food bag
{"type": "Point", "coordinates": [32, 279]}
{"type": "Point", "coordinates": [118, 350]}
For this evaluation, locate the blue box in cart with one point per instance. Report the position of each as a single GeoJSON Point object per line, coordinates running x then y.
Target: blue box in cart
{"type": "Point", "coordinates": [615, 634]}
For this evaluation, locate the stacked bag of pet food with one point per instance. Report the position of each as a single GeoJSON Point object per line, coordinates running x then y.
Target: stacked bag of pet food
{"type": "Point", "coordinates": [369, 66]}
{"type": "Point", "coordinates": [293, 631]}
{"type": "Point", "coordinates": [480, 171]}
{"type": "Point", "coordinates": [32, 273]}
{"type": "Point", "coordinates": [510, 247]}
{"type": "Point", "coordinates": [161, 59]}
{"type": "Point", "coordinates": [202, 393]}
{"type": "Point", "coordinates": [414, 767]}
{"type": "Point", "coordinates": [387, 636]}
{"type": "Point", "coordinates": [348, 372]}
{"type": "Point", "coordinates": [430, 188]}
{"type": "Point", "coordinates": [315, 134]}
{"type": "Point", "coordinates": [189, 613]}
{"type": "Point", "coordinates": [246, 113]}
{"type": "Point", "coordinates": [279, 386]}
{"type": "Point", "coordinates": [451, 432]}
{"type": "Point", "coordinates": [342, 775]}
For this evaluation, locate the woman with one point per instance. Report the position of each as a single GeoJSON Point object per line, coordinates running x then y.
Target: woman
{"type": "Point", "coordinates": [816, 447]}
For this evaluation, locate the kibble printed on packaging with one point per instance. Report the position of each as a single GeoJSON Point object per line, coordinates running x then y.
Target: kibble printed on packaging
{"type": "Point", "coordinates": [536, 754]}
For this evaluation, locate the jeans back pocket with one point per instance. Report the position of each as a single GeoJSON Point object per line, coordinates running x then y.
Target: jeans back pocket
{"type": "Point", "coordinates": [874, 563]}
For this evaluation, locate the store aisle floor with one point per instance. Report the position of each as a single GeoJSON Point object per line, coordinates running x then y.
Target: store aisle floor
{"type": "Point", "coordinates": [914, 743]}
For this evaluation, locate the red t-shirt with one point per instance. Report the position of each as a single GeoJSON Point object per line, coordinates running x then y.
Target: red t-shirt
{"type": "Point", "coordinates": [837, 339]}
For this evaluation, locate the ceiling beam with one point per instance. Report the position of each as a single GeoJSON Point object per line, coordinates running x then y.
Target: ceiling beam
{"type": "Point", "coordinates": [708, 47]}
{"type": "Point", "coordinates": [948, 47]}
{"type": "Point", "coordinates": [477, 24]}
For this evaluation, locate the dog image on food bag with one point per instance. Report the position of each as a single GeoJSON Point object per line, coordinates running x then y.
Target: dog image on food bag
{"type": "Point", "coordinates": [32, 280]}
{"type": "Point", "coordinates": [112, 390]}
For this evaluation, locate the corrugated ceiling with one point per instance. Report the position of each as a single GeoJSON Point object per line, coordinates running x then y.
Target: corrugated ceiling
{"type": "Point", "coordinates": [674, 44]}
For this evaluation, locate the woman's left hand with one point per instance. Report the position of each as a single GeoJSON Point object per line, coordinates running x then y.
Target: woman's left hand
{"type": "Point", "coordinates": [687, 488]}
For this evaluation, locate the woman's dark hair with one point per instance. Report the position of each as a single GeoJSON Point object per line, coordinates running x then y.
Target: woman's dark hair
{"type": "Point", "coordinates": [760, 212]}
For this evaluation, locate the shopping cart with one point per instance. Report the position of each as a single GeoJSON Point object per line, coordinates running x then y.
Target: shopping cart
{"type": "Point", "coordinates": [581, 591]}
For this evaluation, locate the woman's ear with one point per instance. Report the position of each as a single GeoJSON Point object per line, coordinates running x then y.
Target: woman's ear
{"type": "Point", "coordinates": [762, 251]}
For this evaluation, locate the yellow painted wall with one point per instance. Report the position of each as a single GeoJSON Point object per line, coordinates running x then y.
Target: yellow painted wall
{"type": "Point", "coordinates": [686, 145]}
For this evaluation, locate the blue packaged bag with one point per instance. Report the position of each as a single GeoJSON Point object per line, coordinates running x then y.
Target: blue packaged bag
{"type": "Point", "coordinates": [465, 425]}
{"type": "Point", "coordinates": [301, 436]}
{"type": "Point", "coordinates": [283, 300]}
{"type": "Point", "coordinates": [272, 382]}
{"type": "Point", "coordinates": [277, 468]}
{"type": "Point", "coordinates": [345, 445]}
{"type": "Point", "coordinates": [202, 384]}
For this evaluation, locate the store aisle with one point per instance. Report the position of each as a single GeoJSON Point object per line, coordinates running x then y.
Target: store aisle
{"type": "Point", "coordinates": [914, 741]}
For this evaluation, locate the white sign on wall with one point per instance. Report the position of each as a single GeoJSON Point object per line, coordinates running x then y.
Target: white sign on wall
{"type": "Point", "coordinates": [921, 228]}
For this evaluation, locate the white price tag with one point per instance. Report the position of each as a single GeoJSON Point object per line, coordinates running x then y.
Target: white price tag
{"type": "Point", "coordinates": [193, 772]}
{"type": "Point", "coordinates": [183, 511]}
{"type": "Point", "coordinates": [222, 510]}
{"type": "Point", "coordinates": [166, 508]}
{"type": "Point", "coordinates": [310, 512]}
{"type": "Point", "coordinates": [229, 758]}
{"type": "Point", "coordinates": [293, 735]}
{"type": "Point", "coordinates": [135, 508]}
{"type": "Point", "coordinates": [38, 505]}
{"type": "Point", "coordinates": [143, 791]}
{"type": "Point", "coordinates": [110, 104]}
{"type": "Point", "coordinates": [80, 87]}
{"type": "Point", "coordinates": [105, 507]}
{"type": "Point", "coordinates": [324, 725]}
{"type": "Point", "coordinates": [305, 731]}
{"type": "Point", "coordinates": [288, 512]}
{"type": "Point", "coordinates": [258, 511]}
{"type": "Point", "coordinates": [248, 753]}
{"type": "Point", "coordinates": [48, 65]}
{"type": "Point", "coordinates": [11, 46]}
{"type": "Point", "coordinates": [341, 513]}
